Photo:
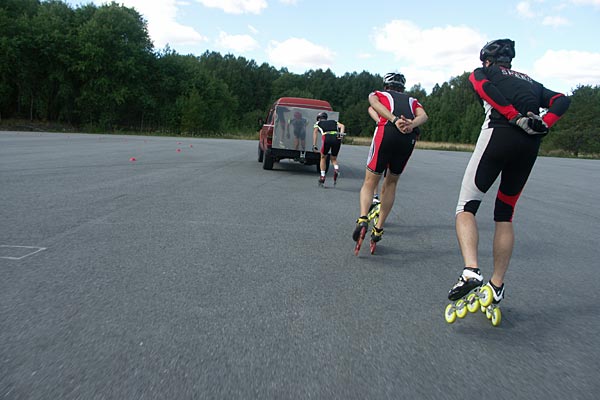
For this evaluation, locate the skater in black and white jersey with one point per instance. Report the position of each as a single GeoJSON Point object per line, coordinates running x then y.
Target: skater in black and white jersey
{"type": "Point", "coordinates": [507, 146]}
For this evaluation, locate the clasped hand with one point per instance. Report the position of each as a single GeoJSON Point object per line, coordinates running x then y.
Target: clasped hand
{"type": "Point", "coordinates": [404, 124]}
{"type": "Point", "coordinates": [532, 124]}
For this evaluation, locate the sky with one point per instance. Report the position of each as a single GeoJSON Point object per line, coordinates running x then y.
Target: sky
{"type": "Point", "coordinates": [428, 41]}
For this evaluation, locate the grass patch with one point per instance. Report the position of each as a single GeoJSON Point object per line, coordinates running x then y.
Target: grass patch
{"type": "Point", "coordinates": [40, 126]}
{"type": "Point", "coordinates": [366, 141]}
{"type": "Point", "coordinates": [55, 127]}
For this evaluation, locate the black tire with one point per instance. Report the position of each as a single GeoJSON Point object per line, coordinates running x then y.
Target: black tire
{"type": "Point", "coordinates": [260, 154]}
{"type": "Point", "coordinates": [267, 160]}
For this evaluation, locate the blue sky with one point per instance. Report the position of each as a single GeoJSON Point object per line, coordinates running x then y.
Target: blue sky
{"type": "Point", "coordinates": [428, 41]}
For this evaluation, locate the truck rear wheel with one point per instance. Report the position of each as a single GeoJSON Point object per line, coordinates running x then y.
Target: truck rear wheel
{"type": "Point", "coordinates": [267, 160]}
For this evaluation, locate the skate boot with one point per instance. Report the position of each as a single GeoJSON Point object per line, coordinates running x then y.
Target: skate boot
{"type": "Point", "coordinates": [498, 292]}
{"type": "Point", "coordinates": [374, 211]}
{"type": "Point", "coordinates": [376, 235]}
{"type": "Point", "coordinates": [336, 173]}
{"type": "Point", "coordinates": [464, 295]}
{"type": "Point", "coordinates": [321, 181]}
{"type": "Point", "coordinates": [362, 223]}
{"type": "Point", "coordinates": [469, 279]}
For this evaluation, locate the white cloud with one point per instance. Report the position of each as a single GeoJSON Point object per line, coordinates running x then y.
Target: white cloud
{"type": "Point", "coordinates": [430, 56]}
{"type": "Point", "coordinates": [236, 6]}
{"type": "Point", "coordinates": [571, 67]}
{"type": "Point", "coordinates": [524, 9]}
{"type": "Point", "coordinates": [163, 27]}
{"type": "Point", "coordinates": [298, 55]}
{"type": "Point", "coordinates": [291, 2]}
{"type": "Point", "coordinates": [555, 21]}
{"type": "Point", "coordinates": [237, 43]}
{"type": "Point", "coordinates": [535, 8]}
{"type": "Point", "coordinates": [587, 2]}
{"type": "Point", "coordinates": [253, 29]}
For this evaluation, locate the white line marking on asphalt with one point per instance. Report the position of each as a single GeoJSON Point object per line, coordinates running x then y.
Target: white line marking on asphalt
{"type": "Point", "coordinates": [37, 250]}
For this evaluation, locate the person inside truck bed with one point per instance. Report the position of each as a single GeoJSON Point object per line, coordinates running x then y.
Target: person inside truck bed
{"type": "Point", "coordinates": [298, 125]}
{"type": "Point", "coordinates": [280, 124]}
{"type": "Point", "coordinates": [331, 140]}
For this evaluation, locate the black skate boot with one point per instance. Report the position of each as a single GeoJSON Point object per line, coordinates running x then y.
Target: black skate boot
{"type": "Point", "coordinates": [336, 174]}
{"type": "Point", "coordinates": [498, 292]}
{"type": "Point", "coordinates": [361, 222]}
{"type": "Point", "coordinates": [376, 234]}
{"type": "Point", "coordinates": [469, 279]}
{"type": "Point", "coordinates": [321, 181]}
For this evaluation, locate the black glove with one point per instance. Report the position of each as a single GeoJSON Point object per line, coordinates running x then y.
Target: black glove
{"type": "Point", "coordinates": [532, 124]}
{"type": "Point", "coordinates": [315, 148]}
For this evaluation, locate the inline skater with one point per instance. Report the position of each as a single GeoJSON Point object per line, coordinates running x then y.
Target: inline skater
{"type": "Point", "coordinates": [507, 146]}
{"type": "Point", "coordinates": [331, 135]}
{"type": "Point", "coordinates": [398, 118]}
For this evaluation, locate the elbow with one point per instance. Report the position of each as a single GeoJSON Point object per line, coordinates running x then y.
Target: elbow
{"type": "Point", "coordinates": [373, 100]}
{"type": "Point", "coordinates": [423, 117]}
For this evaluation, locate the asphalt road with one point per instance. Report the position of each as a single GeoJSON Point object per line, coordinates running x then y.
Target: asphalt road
{"type": "Point", "coordinates": [196, 274]}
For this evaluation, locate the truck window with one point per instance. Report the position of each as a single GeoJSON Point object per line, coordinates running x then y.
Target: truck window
{"type": "Point", "coordinates": [270, 118]}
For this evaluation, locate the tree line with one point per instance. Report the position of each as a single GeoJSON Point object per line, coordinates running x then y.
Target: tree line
{"type": "Point", "coordinates": [96, 67]}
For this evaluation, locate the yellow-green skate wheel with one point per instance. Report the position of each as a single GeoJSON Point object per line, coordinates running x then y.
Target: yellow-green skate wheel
{"type": "Point", "coordinates": [485, 296]}
{"type": "Point", "coordinates": [472, 303]}
{"type": "Point", "coordinates": [461, 309]}
{"type": "Point", "coordinates": [450, 314]}
{"type": "Point", "coordinates": [482, 309]}
{"type": "Point", "coordinates": [496, 316]}
{"type": "Point", "coordinates": [488, 313]}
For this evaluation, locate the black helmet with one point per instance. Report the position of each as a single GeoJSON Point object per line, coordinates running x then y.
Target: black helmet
{"type": "Point", "coordinates": [394, 79]}
{"type": "Point", "coordinates": [500, 50]}
{"type": "Point", "coordinates": [321, 115]}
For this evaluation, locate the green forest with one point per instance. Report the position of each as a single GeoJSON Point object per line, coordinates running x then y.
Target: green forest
{"type": "Point", "coordinates": [96, 68]}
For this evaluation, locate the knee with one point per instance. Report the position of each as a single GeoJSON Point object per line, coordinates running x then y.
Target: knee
{"type": "Point", "coordinates": [471, 207]}
{"type": "Point", "coordinates": [503, 212]}
{"type": "Point", "coordinates": [389, 183]}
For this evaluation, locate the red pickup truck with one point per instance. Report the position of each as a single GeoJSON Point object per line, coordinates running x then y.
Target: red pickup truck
{"type": "Point", "coordinates": [288, 131]}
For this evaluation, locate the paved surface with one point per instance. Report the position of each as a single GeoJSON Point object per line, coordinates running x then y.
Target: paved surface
{"type": "Point", "coordinates": [197, 274]}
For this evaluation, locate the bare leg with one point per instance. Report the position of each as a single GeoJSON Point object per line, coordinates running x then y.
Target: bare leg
{"type": "Point", "coordinates": [468, 238]}
{"type": "Point", "coordinates": [366, 192]}
{"type": "Point", "coordinates": [377, 192]}
{"type": "Point", "coordinates": [334, 160]}
{"type": "Point", "coordinates": [323, 164]}
{"type": "Point", "coordinates": [388, 196]}
{"type": "Point", "coordinates": [504, 240]}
